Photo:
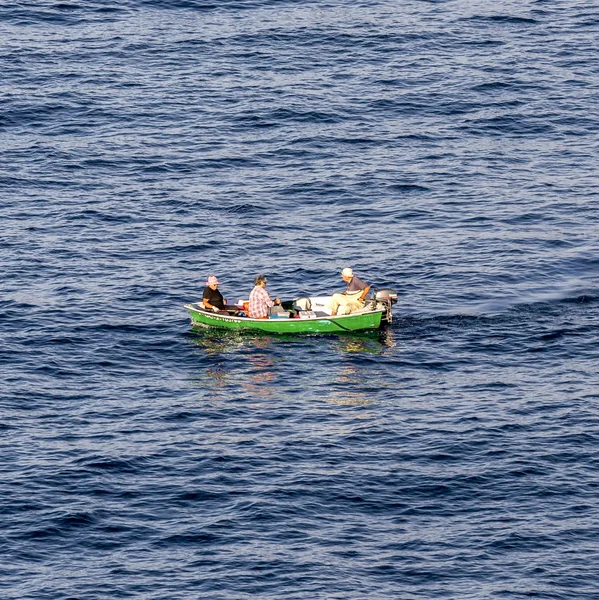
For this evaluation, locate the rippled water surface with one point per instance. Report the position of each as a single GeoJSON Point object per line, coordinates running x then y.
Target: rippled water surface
{"type": "Point", "coordinates": [446, 149]}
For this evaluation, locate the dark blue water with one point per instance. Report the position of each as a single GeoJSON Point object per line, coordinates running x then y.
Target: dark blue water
{"type": "Point", "coordinates": [447, 149]}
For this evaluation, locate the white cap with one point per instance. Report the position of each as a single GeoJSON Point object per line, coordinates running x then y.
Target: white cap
{"type": "Point", "coordinates": [347, 272]}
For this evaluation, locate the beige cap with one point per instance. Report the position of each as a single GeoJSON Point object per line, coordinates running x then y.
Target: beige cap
{"type": "Point", "coordinates": [347, 272]}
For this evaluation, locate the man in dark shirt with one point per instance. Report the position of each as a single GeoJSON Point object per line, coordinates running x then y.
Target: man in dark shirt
{"type": "Point", "coordinates": [212, 298]}
{"type": "Point", "coordinates": [353, 297]}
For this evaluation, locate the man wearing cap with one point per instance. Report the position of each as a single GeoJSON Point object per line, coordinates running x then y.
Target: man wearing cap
{"type": "Point", "coordinates": [212, 298]}
{"type": "Point", "coordinates": [353, 297]}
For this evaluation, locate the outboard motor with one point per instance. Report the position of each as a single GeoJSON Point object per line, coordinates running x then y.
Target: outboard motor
{"type": "Point", "coordinates": [386, 295]}
{"type": "Point", "coordinates": [385, 298]}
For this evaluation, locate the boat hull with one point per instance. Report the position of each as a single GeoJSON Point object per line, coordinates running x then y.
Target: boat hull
{"type": "Point", "coordinates": [352, 322]}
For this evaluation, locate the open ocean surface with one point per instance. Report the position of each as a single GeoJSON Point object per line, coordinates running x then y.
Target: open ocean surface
{"type": "Point", "coordinates": [447, 149]}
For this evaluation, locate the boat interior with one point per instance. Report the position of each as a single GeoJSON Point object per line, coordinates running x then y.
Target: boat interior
{"type": "Point", "coordinates": [309, 307]}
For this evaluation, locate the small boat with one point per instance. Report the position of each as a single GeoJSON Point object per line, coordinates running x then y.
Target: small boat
{"type": "Point", "coordinates": [303, 315]}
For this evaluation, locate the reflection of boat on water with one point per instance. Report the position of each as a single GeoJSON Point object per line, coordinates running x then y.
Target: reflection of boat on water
{"type": "Point", "coordinates": [259, 366]}
{"type": "Point", "coordinates": [224, 341]}
{"type": "Point", "coordinates": [304, 315]}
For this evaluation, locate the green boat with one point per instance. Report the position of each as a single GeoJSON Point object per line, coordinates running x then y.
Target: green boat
{"type": "Point", "coordinates": [303, 315]}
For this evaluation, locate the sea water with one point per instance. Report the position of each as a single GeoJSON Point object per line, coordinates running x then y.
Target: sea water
{"type": "Point", "coordinates": [444, 149]}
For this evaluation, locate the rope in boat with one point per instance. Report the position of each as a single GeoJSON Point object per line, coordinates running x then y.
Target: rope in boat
{"type": "Point", "coordinates": [339, 325]}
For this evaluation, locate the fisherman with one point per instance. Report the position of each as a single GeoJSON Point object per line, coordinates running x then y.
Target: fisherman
{"type": "Point", "coordinates": [352, 299]}
{"type": "Point", "coordinates": [260, 303]}
{"type": "Point", "coordinates": [212, 298]}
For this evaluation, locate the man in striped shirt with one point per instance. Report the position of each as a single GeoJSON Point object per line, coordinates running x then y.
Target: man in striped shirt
{"type": "Point", "coordinates": [260, 302]}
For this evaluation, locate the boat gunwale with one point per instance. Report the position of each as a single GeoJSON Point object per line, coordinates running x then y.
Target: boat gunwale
{"type": "Point", "coordinates": [228, 317]}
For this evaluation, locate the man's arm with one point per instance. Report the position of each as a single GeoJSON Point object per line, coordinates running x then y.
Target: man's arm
{"type": "Point", "coordinates": [267, 299]}
{"type": "Point", "coordinates": [364, 293]}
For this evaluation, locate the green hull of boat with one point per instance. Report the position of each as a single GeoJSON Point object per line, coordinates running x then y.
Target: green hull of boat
{"type": "Point", "coordinates": [355, 322]}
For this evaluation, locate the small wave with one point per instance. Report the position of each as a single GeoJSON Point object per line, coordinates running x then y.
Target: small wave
{"type": "Point", "coordinates": [60, 15]}
{"type": "Point", "coordinates": [225, 163]}
{"type": "Point", "coordinates": [581, 299]}
{"type": "Point", "coordinates": [483, 43]}
{"type": "Point", "coordinates": [408, 188]}
{"type": "Point", "coordinates": [181, 167]}
{"type": "Point", "coordinates": [76, 520]}
{"type": "Point", "coordinates": [501, 19]}
{"type": "Point", "coordinates": [196, 5]}
{"type": "Point", "coordinates": [493, 86]}
{"type": "Point", "coordinates": [288, 115]}
{"type": "Point", "coordinates": [512, 124]}
{"type": "Point", "coordinates": [511, 19]}
{"type": "Point", "coordinates": [117, 465]}
{"type": "Point", "coordinates": [244, 209]}
{"type": "Point", "coordinates": [188, 538]}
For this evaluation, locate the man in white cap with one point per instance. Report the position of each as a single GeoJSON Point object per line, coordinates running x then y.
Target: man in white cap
{"type": "Point", "coordinates": [353, 297]}
{"type": "Point", "coordinates": [212, 298]}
